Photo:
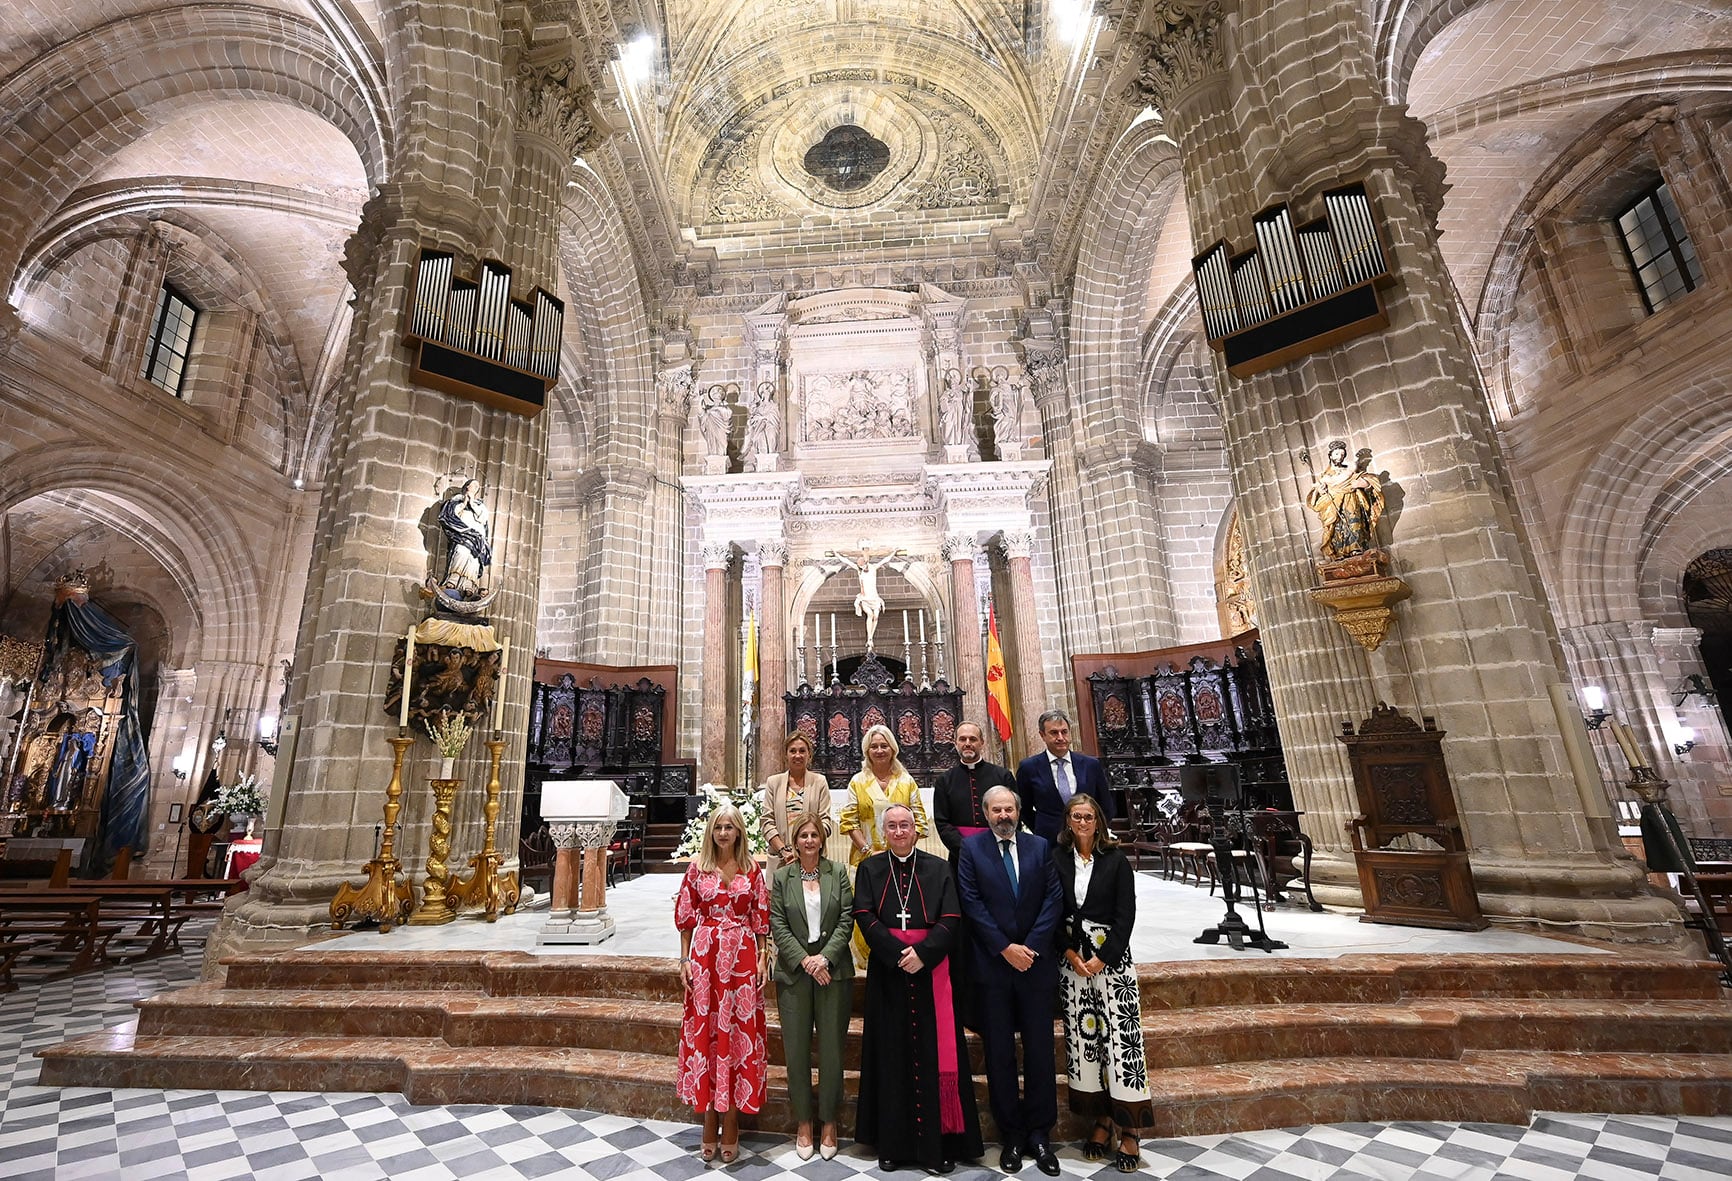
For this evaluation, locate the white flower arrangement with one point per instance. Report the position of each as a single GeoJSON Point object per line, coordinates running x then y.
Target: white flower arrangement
{"type": "Point", "coordinates": [713, 795]}
{"type": "Point", "coordinates": [241, 798]}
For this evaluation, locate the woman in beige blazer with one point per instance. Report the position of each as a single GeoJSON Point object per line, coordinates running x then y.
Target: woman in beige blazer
{"type": "Point", "coordinates": [811, 918]}
{"type": "Point", "coordinates": [791, 794]}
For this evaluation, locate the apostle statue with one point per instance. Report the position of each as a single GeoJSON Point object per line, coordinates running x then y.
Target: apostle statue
{"type": "Point", "coordinates": [1006, 399]}
{"type": "Point", "coordinates": [913, 1064]}
{"type": "Point", "coordinates": [763, 429]}
{"type": "Point", "coordinates": [715, 421]}
{"type": "Point", "coordinates": [468, 552]}
{"type": "Point", "coordinates": [956, 419]}
{"type": "Point", "coordinates": [1348, 503]}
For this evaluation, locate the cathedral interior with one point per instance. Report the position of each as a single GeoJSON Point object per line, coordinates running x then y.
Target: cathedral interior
{"type": "Point", "coordinates": [814, 284]}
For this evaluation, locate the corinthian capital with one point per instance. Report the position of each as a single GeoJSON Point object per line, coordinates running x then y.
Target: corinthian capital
{"type": "Point", "coordinates": [1017, 543]}
{"type": "Point", "coordinates": [674, 388]}
{"type": "Point", "coordinates": [718, 555]}
{"type": "Point", "coordinates": [1046, 376]}
{"type": "Point", "coordinates": [1185, 49]}
{"type": "Point", "coordinates": [554, 105]}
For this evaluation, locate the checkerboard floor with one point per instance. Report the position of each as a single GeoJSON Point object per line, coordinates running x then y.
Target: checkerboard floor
{"type": "Point", "coordinates": [212, 1135]}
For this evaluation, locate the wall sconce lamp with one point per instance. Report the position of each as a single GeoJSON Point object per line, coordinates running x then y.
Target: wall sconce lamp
{"type": "Point", "coordinates": [1686, 741]}
{"type": "Point", "coordinates": [268, 734]}
{"type": "Point", "coordinates": [182, 766]}
{"type": "Point", "coordinates": [1694, 686]}
{"type": "Point", "coordinates": [1594, 698]}
{"type": "Point", "coordinates": [221, 742]}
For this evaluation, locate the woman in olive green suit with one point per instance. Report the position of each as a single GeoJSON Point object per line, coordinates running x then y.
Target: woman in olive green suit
{"type": "Point", "coordinates": [811, 918]}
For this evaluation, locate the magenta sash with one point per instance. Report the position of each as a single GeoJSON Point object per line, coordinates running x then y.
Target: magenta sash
{"type": "Point", "coordinates": [949, 1098]}
{"type": "Point", "coordinates": [969, 830]}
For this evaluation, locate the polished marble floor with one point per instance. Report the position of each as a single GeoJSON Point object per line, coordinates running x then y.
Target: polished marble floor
{"type": "Point", "coordinates": [213, 1135]}
{"type": "Point", "coordinates": [1170, 915]}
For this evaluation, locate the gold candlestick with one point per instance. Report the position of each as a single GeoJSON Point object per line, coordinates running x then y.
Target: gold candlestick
{"type": "Point", "coordinates": [383, 897]}
{"type": "Point", "coordinates": [487, 889]}
{"type": "Point", "coordinates": [434, 908]}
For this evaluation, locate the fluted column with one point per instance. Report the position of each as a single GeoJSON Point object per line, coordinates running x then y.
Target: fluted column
{"type": "Point", "coordinates": [959, 551]}
{"type": "Point", "coordinates": [1030, 679]}
{"type": "Point", "coordinates": [713, 742]}
{"type": "Point", "coordinates": [772, 658]}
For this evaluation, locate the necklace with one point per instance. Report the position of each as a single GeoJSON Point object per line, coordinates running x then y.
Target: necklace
{"type": "Point", "coordinates": [808, 875]}
{"type": "Point", "coordinates": [902, 895]}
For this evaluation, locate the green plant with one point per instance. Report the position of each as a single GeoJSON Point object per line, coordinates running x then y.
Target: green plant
{"type": "Point", "coordinates": [449, 733]}
{"type": "Point", "coordinates": [712, 796]}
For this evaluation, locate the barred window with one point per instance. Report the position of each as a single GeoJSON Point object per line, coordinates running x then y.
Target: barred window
{"type": "Point", "coordinates": [1662, 257]}
{"type": "Point", "coordinates": [170, 341]}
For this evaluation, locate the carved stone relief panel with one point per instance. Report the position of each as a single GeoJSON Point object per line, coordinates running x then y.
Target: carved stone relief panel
{"type": "Point", "coordinates": [859, 404]}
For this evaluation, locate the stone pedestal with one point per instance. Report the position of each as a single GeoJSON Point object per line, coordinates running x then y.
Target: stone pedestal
{"type": "Point", "coordinates": [579, 915]}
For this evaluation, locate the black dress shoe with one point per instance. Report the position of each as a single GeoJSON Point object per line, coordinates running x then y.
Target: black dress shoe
{"type": "Point", "coordinates": [886, 1165]}
{"type": "Point", "coordinates": [1010, 1160]}
{"type": "Point", "coordinates": [1045, 1159]}
{"type": "Point", "coordinates": [942, 1167]}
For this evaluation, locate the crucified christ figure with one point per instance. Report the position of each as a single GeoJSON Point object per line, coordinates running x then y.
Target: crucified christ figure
{"type": "Point", "coordinates": [868, 602]}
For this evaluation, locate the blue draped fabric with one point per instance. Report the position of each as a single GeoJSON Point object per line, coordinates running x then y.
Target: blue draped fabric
{"type": "Point", "coordinates": [77, 624]}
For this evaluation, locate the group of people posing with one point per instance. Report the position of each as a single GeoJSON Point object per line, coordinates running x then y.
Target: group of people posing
{"type": "Point", "coordinates": [1016, 925]}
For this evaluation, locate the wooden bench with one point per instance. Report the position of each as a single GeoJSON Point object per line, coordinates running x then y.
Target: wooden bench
{"type": "Point", "coordinates": [9, 952]}
{"type": "Point", "coordinates": [64, 929]}
{"type": "Point", "coordinates": [142, 917]}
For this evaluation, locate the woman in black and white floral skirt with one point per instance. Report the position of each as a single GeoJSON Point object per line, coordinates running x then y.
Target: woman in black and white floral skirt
{"type": "Point", "coordinates": [1103, 1017]}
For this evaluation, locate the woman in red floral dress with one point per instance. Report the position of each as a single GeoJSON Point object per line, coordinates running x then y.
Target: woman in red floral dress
{"type": "Point", "coordinates": [723, 915]}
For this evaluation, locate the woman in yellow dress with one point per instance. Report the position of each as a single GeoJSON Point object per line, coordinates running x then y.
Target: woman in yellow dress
{"type": "Point", "coordinates": [882, 781]}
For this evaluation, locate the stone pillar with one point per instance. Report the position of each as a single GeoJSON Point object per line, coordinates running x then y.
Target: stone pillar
{"type": "Point", "coordinates": [1279, 104]}
{"type": "Point", "coordinates": [959, 550]}
{"type": "Point", "coordinates": [169, 741]}
{"type": "Point", "coordinates": [772, 659]}
{"type": "Point", "coordinates": [1077, 583]}
{"type": "Point", "coordinates": [478, 189]}
{"type": "Point", "coordinates": [1030, 679]}
{"type": "Point", "coordinates": [713, 745]}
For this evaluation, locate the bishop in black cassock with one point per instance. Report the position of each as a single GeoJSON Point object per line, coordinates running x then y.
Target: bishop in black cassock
{"type": "Point", "coordinates": [916, 1094]}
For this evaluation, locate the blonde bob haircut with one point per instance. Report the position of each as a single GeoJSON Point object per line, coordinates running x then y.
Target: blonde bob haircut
{"type": "Point", "coordinates": [821, 823]}
{"type": "Point", "coordinates": [708, 857]}
{"type": "Point", "coordinates": [897, 769]}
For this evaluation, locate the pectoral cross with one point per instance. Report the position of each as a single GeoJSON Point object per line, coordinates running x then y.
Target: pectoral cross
{"type": "Point", "coordinates": [904, 916]}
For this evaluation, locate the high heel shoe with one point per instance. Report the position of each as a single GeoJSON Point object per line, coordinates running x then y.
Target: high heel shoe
{"type": "Point", "coordinates": [827, 1147]}
{"type": "Point", "coordinates": [1095, 1147]}
{"type": "Point", "coordinates": [730, 1152]}
{"type": "Point", "coordinates": [708, 1151]}
{"type": "Point", "coordinates": [803, 1142]}
{"type": "Point", "coordinates": [1128, 1162]}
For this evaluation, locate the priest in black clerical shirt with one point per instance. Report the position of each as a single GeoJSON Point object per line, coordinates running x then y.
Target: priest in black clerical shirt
{"type": "Point", "coordinates": [916, 1094]}
{"type": "Point", "coordinates": [956, 807]}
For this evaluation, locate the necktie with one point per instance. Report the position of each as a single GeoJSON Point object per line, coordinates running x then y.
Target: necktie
{"type": "Point", "coordinates": [1061, 777]}
{"type": "Point", "coordinates": [1009, 865]}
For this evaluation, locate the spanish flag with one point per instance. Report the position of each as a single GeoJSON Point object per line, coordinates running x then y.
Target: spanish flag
{"type": "Point", "coordinates": [997, 692]}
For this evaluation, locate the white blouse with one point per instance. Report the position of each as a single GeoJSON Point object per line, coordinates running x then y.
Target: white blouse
{"type": "Point", "coordinates": [814, 911]}
{"type": "Point", "coordinates": [1085, 869]}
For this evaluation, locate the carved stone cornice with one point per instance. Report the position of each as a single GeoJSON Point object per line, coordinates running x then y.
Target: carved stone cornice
{"type": "Point", "coordinates": [743, 505]}
{"type": "Point", "coordinates": [986, 497]}
{"type": "Point", "coordinates": [553, 104]}
{"type": "Point", "coordinates": [959, 547]}
{"type": "Point", "coordinates": [1185, 49]}
{"type": "Point", "coordinates": [675, 386]}
{"type": "Point", "coordinates": [1017, 543]}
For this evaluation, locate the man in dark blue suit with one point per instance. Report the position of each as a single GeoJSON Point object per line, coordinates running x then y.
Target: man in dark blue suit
{"type": "Point", "coordinates": [1048, 780]}
{"type": "Point", "coordinates": [1010, 892]}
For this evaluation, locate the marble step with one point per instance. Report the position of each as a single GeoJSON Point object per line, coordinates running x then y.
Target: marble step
{"type": "Point", "coordinates": [1433, 1028]}
{"type": "Point", "coordinates": [1484, 1086]}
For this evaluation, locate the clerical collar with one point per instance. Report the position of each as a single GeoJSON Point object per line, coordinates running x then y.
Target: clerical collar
{"type": "Point", "coordinates": [969, 765]}
{"type": "Point", "coordinates": [902, 860]}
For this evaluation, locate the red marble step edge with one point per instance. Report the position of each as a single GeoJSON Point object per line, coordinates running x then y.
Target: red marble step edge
{"type": "Point", "coordinates": [1164, 986]}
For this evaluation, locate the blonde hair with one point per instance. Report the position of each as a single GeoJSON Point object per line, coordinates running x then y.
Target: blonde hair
{"type": "Point", "coordinates": [707, 857]}
{"type": "Point", "coordinates": [896, 766]}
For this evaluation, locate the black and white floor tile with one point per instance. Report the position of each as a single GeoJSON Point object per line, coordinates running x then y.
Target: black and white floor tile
{"type": "Point", "coordinates": [221, 1135]}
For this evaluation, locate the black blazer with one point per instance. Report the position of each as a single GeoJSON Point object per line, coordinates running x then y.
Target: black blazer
{"type": "Point", "coordinates": [1111, 900]}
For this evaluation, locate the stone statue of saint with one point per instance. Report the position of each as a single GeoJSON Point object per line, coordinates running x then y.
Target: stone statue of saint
{"type": "Point", "coordinates": [956, 415]}
{"type": "Point", "coordinates": [468, 552]}
{"type": "Point", "coordinates": [1348, 503]}
{"type": "Point", "coordinates": [763, 428]}
{"type": "Point", "coordinates": [1006, 401]}
{"type": "Point", "coordinates": [715, 420]}
{"type": "Point", "coordinates": [868, 603]}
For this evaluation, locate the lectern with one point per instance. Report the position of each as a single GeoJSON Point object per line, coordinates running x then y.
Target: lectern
{"type": "Point", "coordinates": [581, 815]}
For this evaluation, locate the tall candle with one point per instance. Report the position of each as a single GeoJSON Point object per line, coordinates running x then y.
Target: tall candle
{"type": "Point", "coordinates": [832, 635]}
{"type": "Point", "coordinates": [1636, 758]}
{"type": "Point", "coordinates": [800, 636]}
{"type": "Point", "coordinates": [938, 622]}
{"type": "Point", "coordinates": [499, 687]}
{"type": "Point", "coordinates": [923, 626]}
{"type": "Point", "coordinates": [408, 674]}
{"type": "Point", "coordinates": [1621, 732]}
{"type": "Point", "coordinates": [905, 629]}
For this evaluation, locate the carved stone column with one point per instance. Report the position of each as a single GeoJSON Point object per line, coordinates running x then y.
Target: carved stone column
{"type": "Point", "coordinates": [1473, 647]}
{"type": "Point", "coordinates": [1045, 364]}
{"type": "Point", "coordinates": [579, 915]}
{"type": "Point", "coordinates": [959, 551]}
{"type": "Point", "coordinates": [713, 745]}
{"type": "Point", "coordinates": [772, 659]}
{"type": "Point", "coordinates": [1030, 677]}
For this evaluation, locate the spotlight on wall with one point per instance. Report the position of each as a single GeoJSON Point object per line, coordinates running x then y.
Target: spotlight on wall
{"type": "Point", "coordinates": [638, 57]}
{"type": "Point", "coordinates": [182, 766]}
{"type": "Point", "coordinates": [1694, 686]}
{"type": "Point", "coordinates": [268, 734]}
{"type": "Point", "coordinates": [1686, 741]}
{"type": "Point", "coordinates": [1594, 698]}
